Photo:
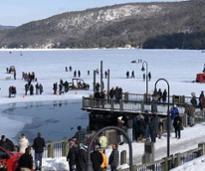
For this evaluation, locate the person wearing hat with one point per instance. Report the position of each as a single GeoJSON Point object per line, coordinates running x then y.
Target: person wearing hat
{"type": "Point", "coordinates": [97, 159]}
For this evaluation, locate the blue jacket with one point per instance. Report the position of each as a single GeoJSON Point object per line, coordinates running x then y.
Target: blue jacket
{"type": "Point", "coordinates": [174, 112]}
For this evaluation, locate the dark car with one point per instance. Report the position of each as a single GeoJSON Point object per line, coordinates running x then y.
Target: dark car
{"type": "Point", "coordinates": [8, 160]}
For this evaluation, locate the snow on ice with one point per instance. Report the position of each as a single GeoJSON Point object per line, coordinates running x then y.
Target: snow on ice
{"type": "Point", "coordinates": [179, 67]}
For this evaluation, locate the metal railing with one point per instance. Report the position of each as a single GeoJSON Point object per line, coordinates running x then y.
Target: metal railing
{"type": "Point", "coordinates": [171, 162]}
{"type": "Point", "coordinates": [123, 105]}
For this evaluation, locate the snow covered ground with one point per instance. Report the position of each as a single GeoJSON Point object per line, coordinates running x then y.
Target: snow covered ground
{"type": "Point", "coordinates": [197, 164]}
{"type": "Point", "coordinates": [179, 67]}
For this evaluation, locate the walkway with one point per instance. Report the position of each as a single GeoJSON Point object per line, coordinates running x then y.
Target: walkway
{"type": "Point", "coordinates": [191, 137]}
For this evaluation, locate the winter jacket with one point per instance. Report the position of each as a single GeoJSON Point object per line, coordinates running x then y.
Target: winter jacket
{"type": "Point", "coordinates": [177, 123]}
{"type": "Point", "coordinates": [97, 160]}
{"type": "Point", "coordinates": [23, 144]}
{"type": "Point", "coordinates": [38, 144]}
{"type": "Point", "coordinates": [114, 158]}
{"type": "Point", "coordinates": [80, 136]}
{"type": "Point", "coordinates": [81, 160]}
{"type": "Point", "coordinates": [72, 156]}
{"type": "Point", "coordinates": [174, 112]}
{"type": "Point", "coordinates": [194, 101]}
{"type": "Point", "coordinates": [104, 164]}
{"type": "Point", "coordinates": [26, 161]}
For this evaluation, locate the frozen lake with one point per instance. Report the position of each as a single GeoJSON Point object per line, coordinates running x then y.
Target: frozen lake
{"type": "Point", "coordinates": [179, 67]}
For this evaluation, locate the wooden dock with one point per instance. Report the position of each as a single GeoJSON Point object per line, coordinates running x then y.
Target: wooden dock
{"type": "Point", "coordinates": [131, 104]}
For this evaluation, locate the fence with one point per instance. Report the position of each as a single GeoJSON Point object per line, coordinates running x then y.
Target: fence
{"type": "Point", "coordinates": [56, 149]}
{"type": "Point", "coordinates": [132, 103]}
{"type": "Point", "coordinates": [171, 162]}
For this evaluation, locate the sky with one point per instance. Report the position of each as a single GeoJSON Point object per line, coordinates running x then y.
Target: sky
{"type": "Point", "coordinates": [17, 12]}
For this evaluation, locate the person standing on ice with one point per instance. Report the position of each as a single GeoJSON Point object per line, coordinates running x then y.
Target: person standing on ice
{"type": "Point", "coordinates": [41, 88]}
{"type": "Point", "coordinates": [55, 88]}
{"type": "Point", "coordinates": [202, 103]}
{"type": "Point", "coordinates": [37, 88]}
{"type": "Point", "coordinates": [38, 146]}
{"type": "Point", "coordinates": [127, 74]}
{"type": "Point", "coordinates": [133, 74]}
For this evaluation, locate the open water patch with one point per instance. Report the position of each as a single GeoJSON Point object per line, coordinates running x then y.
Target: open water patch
{"type": "Point", "coordinates": [54, 119]}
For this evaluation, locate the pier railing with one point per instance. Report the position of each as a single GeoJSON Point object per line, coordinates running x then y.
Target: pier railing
{"type": "Point", "coordinates": [133, 106]}
{"type": "Point", "coordinates": [56, 149]}
{"type": "Point", "coordinates": [170, 162]}
{"type": "Point", "coordinates": [91, 101]}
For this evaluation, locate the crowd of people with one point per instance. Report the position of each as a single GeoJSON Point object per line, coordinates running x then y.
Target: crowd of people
{"type": "Point", "coordinates": [77, 156]}
{"type": "Point", "coordinates": [28, 77]}
{"type": "Point", "coordinates": [62, 87]}
{"type": "Point", "coordinates": [78, 153]}
{"type": "Point", "coordinates": [25, 162]}
{"type": "Point", "coordinates": [29, 87]}
{"type": "Point", "coordinates": [132, 75]}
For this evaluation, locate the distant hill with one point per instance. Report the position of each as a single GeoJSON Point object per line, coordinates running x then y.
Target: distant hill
{"type": "Point", "coordinates": [146, 25]}
{"type": "Point", "coordinates": [6, 27]}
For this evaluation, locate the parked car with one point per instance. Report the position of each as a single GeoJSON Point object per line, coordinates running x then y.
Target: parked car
{"type": "Point", "coordinates": [8, 160]}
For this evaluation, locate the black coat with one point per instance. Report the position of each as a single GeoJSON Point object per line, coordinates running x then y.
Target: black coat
{"type": "Point", "coordinates": [81, 160]}
{"type": "Point", "coordinates": [38, 144]}
{"type": "Point", "coordinates": [26, 161]}
{"type": "Point", "coordinates": [114, 158]}
{"type": "Point", "coordinates": [97, 159]}
{"type": "Point", "coordinates": [177, 123]}
{"type": "Point", "coordinates": [72, 156]}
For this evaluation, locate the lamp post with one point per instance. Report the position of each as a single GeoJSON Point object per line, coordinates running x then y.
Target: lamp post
{"type": "Point", "coordinates": [144, 63]}
{"type": "Point", "coordinates": [168, 114]}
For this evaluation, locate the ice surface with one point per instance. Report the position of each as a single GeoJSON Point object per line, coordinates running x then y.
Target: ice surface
{"type": "Point", "coordinates": [179, 67]}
